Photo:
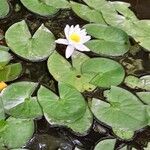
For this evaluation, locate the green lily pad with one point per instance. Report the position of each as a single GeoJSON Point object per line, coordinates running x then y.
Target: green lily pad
{"type": "Point", "coordinates": [136, 83]}
{"type": "Point", "coordinates": [108, 11]}
{"type": "Point", "coordinates": [30, 108]}
{"type": "Point", "coordinates": [107, 144]}
{"type": "Point", "coordinates": [18, 101]}
{"type": "Point", "coordinates": [17, 93]}
{"type": "Point", "coordinates": [10, 72]}
{"type": "Point", "coordinates": [63, 71]}
{"type": "Point", "coordinates": [109, 40]}
{"type": "Point", "coordinates": [68, 110]}
{"type": "Point", "coordinates": [2, 114]}
{"type": "Point", "coordinates": [16, 132]}
{"type": "Point", "coordinates": [45, 7]}
{"type": "Point", "coordinates": [5, 57]}
{"type": "Point", "coordinates": [33, 48]}
{"type": "Point", "coordinates": [123, 133]}
{"type": "Point", "coordinates": [124, 110]}
{"type": "Point", "coordinates": [4, 8]}
{"type": "Point", "coordinates": [70, 105]}
{"type": "Point", "coordinates": [105, 72]}
{"type": "Point", "coordinates": [86, 13]}
{"type": "Point", "coordinates": [144, 96]}
{"type": "Point", "coordinates": [4, 48]}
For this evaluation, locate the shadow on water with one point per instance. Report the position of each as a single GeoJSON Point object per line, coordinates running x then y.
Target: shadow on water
{"type": "Point", "coordinates": [47, 137]}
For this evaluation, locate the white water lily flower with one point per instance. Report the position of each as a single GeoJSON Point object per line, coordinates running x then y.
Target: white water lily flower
{"type": "Point", "coordinates": [75, 39]}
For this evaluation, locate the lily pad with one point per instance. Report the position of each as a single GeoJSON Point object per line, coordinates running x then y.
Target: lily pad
{"type": "Point", "coordinates": [109, 40]}
{"type": "Point", "coordinates": [11, 135]}
{"type": "Point", "coordinates": [4, 8]}
{"type": "Point", "coordinates": [123, 133]}
{"type": "Point", "coordinates": [69, 109]}
{"type": "Point", "coordinates": [34, 48]}
{"type": "Point", "coordinates": [86, 13]}
{"type": "Point", "coordinates": [45, 7]}
{"type": "Point", "coordinates": [136, 83]}
{"type": "Point", "coordinates": [5, 57]}
{"type": "Point", "coordinates": [10, 72]}
{"type": "Point", "coordinates": [124, 110]}
{"type": "Point", "coordinates": [30, 108]}
{"type": "Point", "coordinates": [4, 48]}
{"type": "Point", "coordinates": [105, 72]}
{"type": "Point", "coordinates": [18, 102]}
{"type": "Point", "coordinates": [16, 94]}
{"type": "Point", "coordinates": [63, 71]}
{"type": "Point", "coordinates": [107, 144]}
{"type": "Point", "coordinates": [144, 96]}
{"type": "Point", "coordinates": [2, 114]}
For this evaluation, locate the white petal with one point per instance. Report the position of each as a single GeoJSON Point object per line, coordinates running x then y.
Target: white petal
{"type": "Point", "coordinates": [77, 28]}
{"type": "Point", "coordinates": [71, 30]}
{"type": "Point", "coordinates": [69, 51]}
{"type": "Point", "coordinates": [62, 41]}
{"type": "Point", "coordinates": [86, 38]}
{"type": "Point", "coordinates": [83, 32]}
{"type": "Point", "coordinates": [66, 30]}
{"type": "Point", "coordinates": [82, 47]}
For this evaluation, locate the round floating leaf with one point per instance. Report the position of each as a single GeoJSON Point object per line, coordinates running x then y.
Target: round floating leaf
{"type": "Point", "coordinates": [69, 109]}
{"type": "Point", "coordinates": [123, 133]}
{"type": "Point", "coordinates": [136, 83]}
{"type": "Point", "coordinates": [110, 40]}
{"type": "Point", "coordinates": [124, 110]}
{"type": "Point", "coordinates": [10, 72]}
{"type": "Point", "coordinates": [5, 57]}
{"type": "Point", "coordinates": [4, 8]}
{"type": "Point", "coordinates": [17, 93]}
{"type": "Point", "coordinates": [33, 48]}
{"type": "Point", "coordinates": [63, 71]}
{"type": "Point", "coordinates": [70, 105]}
{"type": "Point", "coordinates": [87, 13]}
{"type": "Point", "coordinates": [30, 108]}
{"type": "Point", "coordinates": [45, 7]}
{"type": "Point", "coordinates": [123, 8]}
{"type": "Point", "coordinates": [2, 114]}
{"type": "Point", "coordinates": [4, 48]}
{"type": "Point", "coordinates": [83, 124]}
{"type": "Point", "coordinates": [16, 132]}
{"type": "Point", "coordinates": [106, 145]}
{"type": "Point", "coordinates": [106, 72]}
{"type": "Point", "coordinates": [144, 96]}
{"type": "Point", "coordinates": [140, 33]}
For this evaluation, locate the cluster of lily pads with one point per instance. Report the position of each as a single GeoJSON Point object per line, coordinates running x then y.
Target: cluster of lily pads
{"type": "Point", "coordinates": [110, 24]}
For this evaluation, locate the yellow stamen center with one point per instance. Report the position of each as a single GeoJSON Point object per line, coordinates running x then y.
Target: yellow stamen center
{"type": "Point", "coordinates": [2, 85]}
{"type": "Point", "coordinates": [75, 37]}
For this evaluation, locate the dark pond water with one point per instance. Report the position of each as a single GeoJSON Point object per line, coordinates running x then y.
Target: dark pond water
{"type": "Point", "coordinates": [47, 137]}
